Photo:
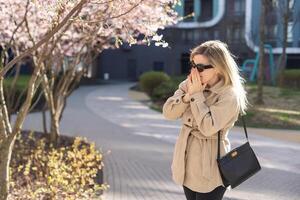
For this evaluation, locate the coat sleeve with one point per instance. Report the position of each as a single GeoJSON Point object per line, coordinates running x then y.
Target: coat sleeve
{"type": "Point", "coordinates": [211, 119]}
{"type": "Point", "coordinates": [174, 107]}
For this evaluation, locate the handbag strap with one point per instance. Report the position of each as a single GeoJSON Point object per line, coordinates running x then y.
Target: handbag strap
{"type": "Point", "coordinates": [245, 130]}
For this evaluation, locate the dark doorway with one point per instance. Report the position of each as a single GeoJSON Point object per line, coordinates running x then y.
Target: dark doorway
{"type": "Point", "coordinates": [158, 66]}
{"type": "Point", "coordinates": [131, 69]}
{"type": "Point", "coordinates": [99, 70]}
{"type": "Point", "coordinates": [185, 60]}
{"type": "Point", "coordinates": [293, 61]}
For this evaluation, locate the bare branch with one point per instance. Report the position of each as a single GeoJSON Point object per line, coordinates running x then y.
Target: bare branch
{"type": "Point", "coordinates": [117, 16]}
{"type": "Point", "coordinates": [38, 98]}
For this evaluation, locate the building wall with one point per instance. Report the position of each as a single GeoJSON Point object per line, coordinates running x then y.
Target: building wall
{"type": "Point", "coordinates": [274, 23]}
{"type": "Point", "coordinates": [131, 62]}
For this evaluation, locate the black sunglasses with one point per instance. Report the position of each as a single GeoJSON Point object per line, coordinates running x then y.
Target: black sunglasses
{"type": "Point", "coordinates": [201, 67]}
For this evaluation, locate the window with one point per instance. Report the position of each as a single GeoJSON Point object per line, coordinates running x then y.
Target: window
{"type": "Point", "coordinates": [216, 34]}
{"type": "Point", "coordinates": [236, 34]}
{"type": "Point", "coordinates": [205, 35]}
{"type": "Point", "coordinates": [271, 31]}
{"type": "Point", "coordinates": [291, 4]}
{"type": "Point", "coordinates": [239, 7]}
{"type": "Point", "coordinates": [206, 12]}
{"type": "Point", "coordinates": [158, 66]}
{"type": "Point", "coordinates": [242, 33]}
{"type": "Point", "coordinates": [187, 36]}
{"type": "Point", "coordinates": [183, 35]}
{"type": "Point", "coordinates": [197, 35]}
{"type": "Point", "coordinates": [190, 35]}
{"type": "Point", "coordinates": [275, 29]}
{"type": "Point", "coordinates": [290, 32]}
{"type": "Point", "coordinates": [228, 34]}
{"type": "Point", "coordinates": [188, 9]}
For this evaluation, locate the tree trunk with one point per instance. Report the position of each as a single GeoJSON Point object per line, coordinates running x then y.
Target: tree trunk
{"type": "Point", "coordinates": [282, 61]}
{"type": "Point", "coordinates": [44, 116]}
{"type": "Point", "coordinates": [6, 147]}
{"type": "Point", "coordinates": [54, 134]}
{"type": "Point", "coordinates": [44, 120]}
{"type": "Point", "coordinates": [260, 78]}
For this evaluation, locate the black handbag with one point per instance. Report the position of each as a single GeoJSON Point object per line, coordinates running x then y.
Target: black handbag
{"type": "Point", "coordinates": [239, 164]}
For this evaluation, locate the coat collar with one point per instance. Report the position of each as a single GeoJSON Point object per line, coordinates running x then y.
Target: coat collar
{"type": "Point", "coordinates": [216, 88]}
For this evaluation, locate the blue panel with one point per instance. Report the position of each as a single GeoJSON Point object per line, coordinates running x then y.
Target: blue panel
{"type": "Point", "coordinates": [296, 29]}
{"type": "Point", "coordinates": [215, 7]}
{"type": "Point", "coordinates": [179, 7]}
{"type": "Point", "coordinates": [255, 20]}
{"type": "Point", "coordinates": [197, 9]}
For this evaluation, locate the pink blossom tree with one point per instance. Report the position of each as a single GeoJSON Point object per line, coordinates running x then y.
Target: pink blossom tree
{"type": "Point", "coordinates": [50, 30]}
{"type": "Point", "coordinates": [89, 35]}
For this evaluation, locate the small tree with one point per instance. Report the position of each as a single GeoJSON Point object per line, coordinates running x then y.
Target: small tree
{"type": "Point", "coordinates": [90, 34]}
{"type": "Point", "coordinates": [261, 69]}
{"type": "Point", "coordinates": [285, 10]}
{"type": "Point", "coordinates": [15, 34]}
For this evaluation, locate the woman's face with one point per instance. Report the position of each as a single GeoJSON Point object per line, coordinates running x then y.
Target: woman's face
{"type": "Point", "coordinates": [208, 75]}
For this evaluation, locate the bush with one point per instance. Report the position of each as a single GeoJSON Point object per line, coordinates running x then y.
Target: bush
{"type": "Point", "coordinates": [21, 83]}
{"type": "Point", "coordinates": [164, 90]}
{"type": "Point", "coordinates": [40, 171]}
{"type": "Point", "coordinates": [167, 88]}
{"type": "Point", "coordinates": [292, 78]}
{"type": "Point", "coordinates": [18, 96]}
{"type": "Point", "coordinates": [150, 80]}
{"type": "Point", "coordinates": [178, 79]}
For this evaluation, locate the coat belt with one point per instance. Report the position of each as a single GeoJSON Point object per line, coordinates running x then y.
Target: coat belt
{"type": "Point", "coordinates": [207, 161]}
{"type": "Point", "coordinates": [199, 135]}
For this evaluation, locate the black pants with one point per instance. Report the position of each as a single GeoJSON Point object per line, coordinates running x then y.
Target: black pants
{"type": "Point", "coordinates": [216, 194]}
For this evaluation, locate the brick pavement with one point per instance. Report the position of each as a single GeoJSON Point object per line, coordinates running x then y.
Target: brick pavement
{"type": "Point", "coordinates": [141, 143]}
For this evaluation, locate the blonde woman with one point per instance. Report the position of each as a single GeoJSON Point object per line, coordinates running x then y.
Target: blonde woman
{"type": "Point", "coordinates": [208, 101]}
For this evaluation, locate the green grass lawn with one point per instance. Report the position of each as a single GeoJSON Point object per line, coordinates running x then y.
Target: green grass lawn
{"type": "Point", "coordinates": [281, 108]}
{"type": "Point", "coordinates": [21, 83]}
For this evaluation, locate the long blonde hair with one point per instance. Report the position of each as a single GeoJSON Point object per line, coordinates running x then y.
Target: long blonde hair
{"type": "Point", "coordinates": [222, 59]}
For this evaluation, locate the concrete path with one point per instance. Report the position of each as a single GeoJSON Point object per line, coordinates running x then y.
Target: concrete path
{"type": "Point", "coordinates": [141, 141]}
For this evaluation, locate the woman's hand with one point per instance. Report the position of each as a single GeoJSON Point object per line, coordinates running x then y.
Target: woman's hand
{"type": "Point", "coordinates": [194, 83]}
{"type": "Point", "coordinates": [186, 98]}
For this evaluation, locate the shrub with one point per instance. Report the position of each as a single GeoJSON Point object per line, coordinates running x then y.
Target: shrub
{"type": "Point", "coordinates": [18, 94]}
{"type": "Point", "coordinates": [178, 79]}
{"type": "Point", "coordinates": [292, 78]}
{"type": "Point", "coordinates": [150, 80]}
{"type": "Point", "coordinates": [21, 82]}
{"type": "Point", "coordinates": [164, 90]}
{"type": "Point", "coordinates": [40, 171]}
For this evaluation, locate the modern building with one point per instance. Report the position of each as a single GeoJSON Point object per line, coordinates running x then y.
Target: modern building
{"type": "Point", "coordinates": [235, 22]}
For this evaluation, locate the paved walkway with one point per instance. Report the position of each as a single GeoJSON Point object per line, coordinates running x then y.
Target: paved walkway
{"type": "Point", "coordinates": [141, 143]}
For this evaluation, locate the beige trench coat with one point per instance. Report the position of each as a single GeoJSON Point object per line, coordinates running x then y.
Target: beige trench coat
{"type": "Point", "coordinates": [194, 158]}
